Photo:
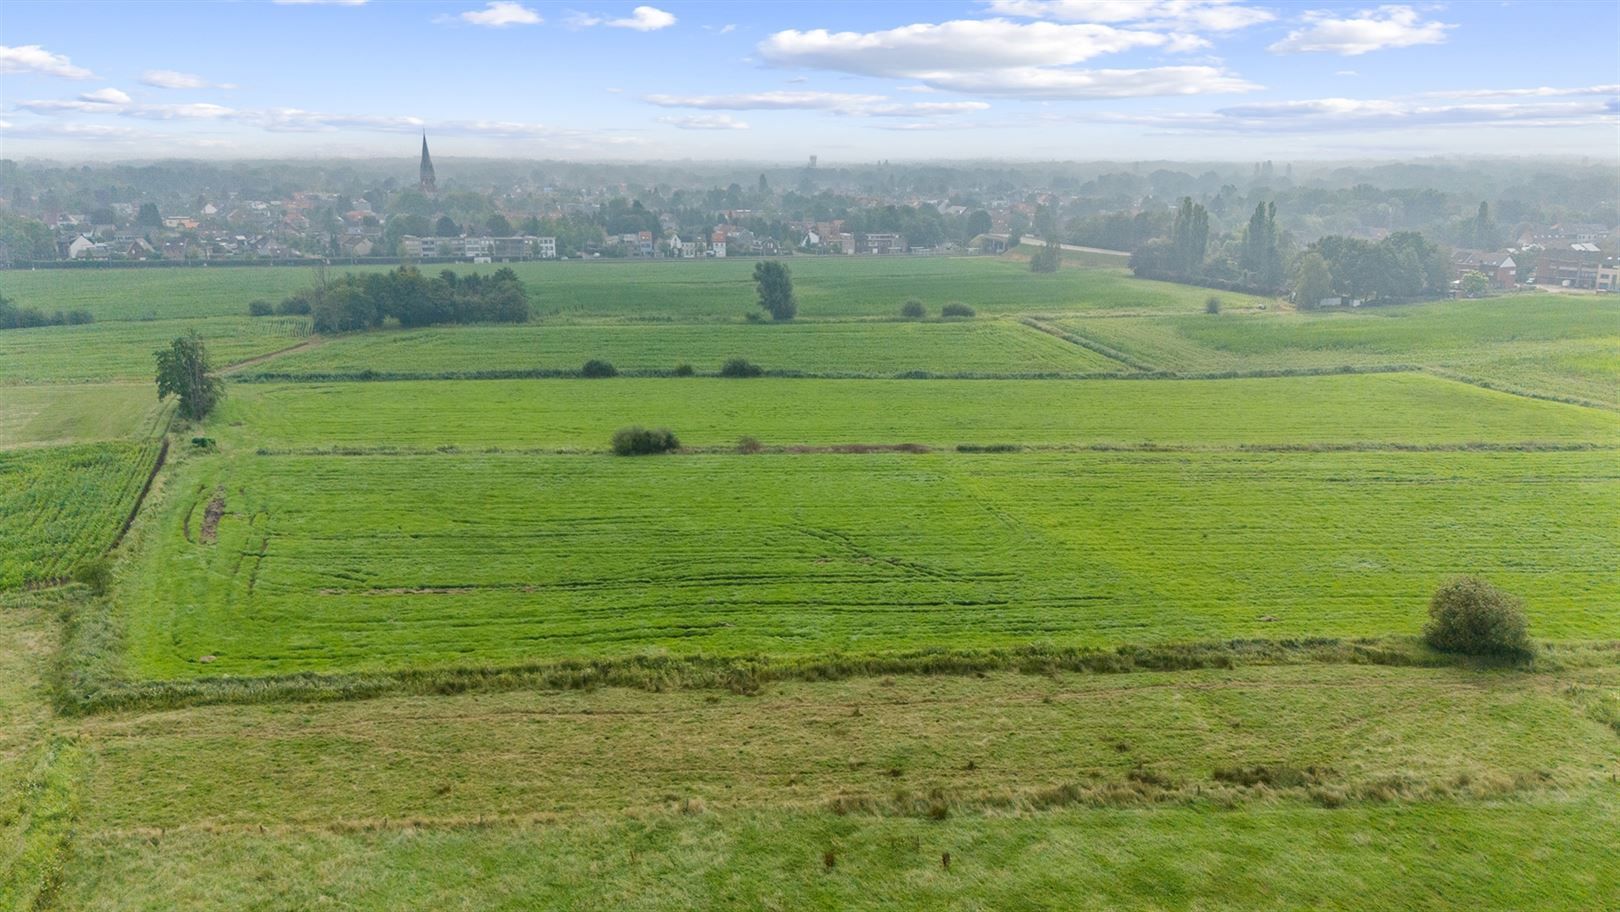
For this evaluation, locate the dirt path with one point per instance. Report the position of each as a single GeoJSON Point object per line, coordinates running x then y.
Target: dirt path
{"type": "Point", "coordinates": [240, 366]}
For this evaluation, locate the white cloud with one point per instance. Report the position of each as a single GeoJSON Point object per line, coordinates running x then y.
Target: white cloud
{"type": "Point", "coordinates": [319, 2]}
{"type": "Point", "coordinates": [705, 122]}
{"type": "Point", "coordinates": [963, 44]}
{"type": "Point", "coordinates": [1369, 30]}
{"type": "Point", "coordinates": [1054, 83]}
{"type": "Point", "coordinates": [75, 131]}
{"type": "Point", "coordinates": [107, 96]}
{"type": "Point", "coordinates": [31, 58]}
{"type": "Point", "coordinates": [174, 79]}
{"type": "Point", "coordinates": [1537, 92]}
{"type": "Point", "coordinates": [925, 109]}
{"type": "Point", "coordinates": [1202, 15]}
{"type": "Point", "coordinates": [641, 19]}
{"type": "Point", "coordinates": [1338, 115]}
{"type": "Point", "coordinates": [998, 57]}
{"type": "Point", "coordinates": [502, 13]}
{"type": "Point", "coordinates": [767, 101]}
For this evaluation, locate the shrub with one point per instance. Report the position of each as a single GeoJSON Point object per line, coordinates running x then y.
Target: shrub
{"type": "Point", "coordinates": [913, 309]}
{"type": "Point", "coordinates": [297, 305]}
{"type": "Point", "coordinates": [753, 316]}
{"type": "Point", "coordinates": [596, 368]}
{"type": "Point", "coordinates": [740, 367]}
{"type": "Point", "coordinates": [956, 309]}
{"type": "Point", "coordinates": [1212, 305]}
{"type": "Point", "coordinates": [684, 370]}
{"type": "Point", "coordinates": [95, 574]}
{"type": "Point", "coordinates": [1470, 616]}
{"type": "Point", "coordinates": [80, 317]}
{"type": "Point", "coordinates": [640, 441]}
{"type": "Point", "coordinates": [748, 446]}
{"type": "Point", "coordinates": [260, 308]}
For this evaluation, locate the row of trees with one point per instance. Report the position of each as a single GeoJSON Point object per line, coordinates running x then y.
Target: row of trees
{"type": "Point", "coordinates": [361, 302]}
{"type": "Point", "coordinates": [1402, 266]}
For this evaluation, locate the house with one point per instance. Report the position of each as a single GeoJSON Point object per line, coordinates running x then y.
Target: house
{"type": "Point", "coordinates": [82, 248]}
{"type": "Point", "coordinates": [1499, 268]}
{"type": "Point", "coordinates": [351, 245]}
{"type": "Point", "coordinates": [880, 242]}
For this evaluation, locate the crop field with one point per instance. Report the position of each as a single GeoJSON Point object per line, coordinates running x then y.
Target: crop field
{"type": "Point", "coordinates": [123, 351]}
{"type": "Point", "coordinates": [293, 563]}
{"type": "Point", "coordinates": [1372, 409]}
{"type": "Point", "coordinates": [77, 413]}
{"type": "Point", "coordinates": [1020, 639]}
{"type": "Point", "coordinates": [61, 505]}
{"type": "Point", "coordinates": [703, 290]}
{"type": "Point", "coordinates": [1000, 347]}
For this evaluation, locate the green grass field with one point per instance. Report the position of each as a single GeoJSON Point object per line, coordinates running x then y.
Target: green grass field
{"type": "Point", "coordinates": [78, 413]}
{"type": "Point", "coordinates": [701, 290]}
{"type": "Point", "coordinates": [982, 346]}
{"type": "Point", "coordinates": [1551, 344]}
{"type": "Point", "coordinates": [343, 563]}
{"type": "Point", "coordinates": [705, 412]}
{"type": "Point", "coordinates": [426, 644]}
{"type": "Point", "coordinates": [123, 351]}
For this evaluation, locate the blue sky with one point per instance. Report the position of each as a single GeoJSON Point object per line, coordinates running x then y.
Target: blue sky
{"type": "Point", "coordinates": [1015, 79]}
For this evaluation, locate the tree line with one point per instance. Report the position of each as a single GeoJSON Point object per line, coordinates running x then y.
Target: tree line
{"type": "Point", "coordinates": [14, 317]}
{"type": "Point", "coordinates": [356, 302]}
{"type": "Point", "coordinates": [1259, 259]}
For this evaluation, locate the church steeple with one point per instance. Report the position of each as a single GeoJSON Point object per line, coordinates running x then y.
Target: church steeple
{"type": "Point", "coordinates": [426, 184]}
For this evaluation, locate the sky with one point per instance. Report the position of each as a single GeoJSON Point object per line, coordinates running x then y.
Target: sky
{"type": "Point", "coordinates": [780, 81]}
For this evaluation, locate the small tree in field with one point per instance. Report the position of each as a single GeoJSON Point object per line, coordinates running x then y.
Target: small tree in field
{"type": "Point", "coordinates": [183, 371]}
{"type": "Point", "coordinates": [775, 285]}
{"type": "Point", "coordinates": [913, 309]}
{"type": "Point", "coordinates": [1470, 616]}
{"type": "Point", "coordinates": [1045, 260]}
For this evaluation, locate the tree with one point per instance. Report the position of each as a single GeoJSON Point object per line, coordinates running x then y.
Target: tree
{"type": "Point", "coordinates": [149, 216]}
{"type": "Point", "coordinates": [1475, 284]}
{"type": "Point", "coordinates": [1261, 260]}
{"type": "Point", "coordinates": [1045, 260]}
{"type": "Point", "coordinates": [183, 371]}
{"type": "Point", "coordinates": [1312, 281]}
{"type": "Point", "coordinates": [978, 222]}
{"type": "Point", "coordinates": [1189, 238]}
{"type": "Point", "coordinates": [775, 286]}
{"type": "Point", "coordinates": [498, 226]}
{"type": "Point", "coordinates": [446, 227]}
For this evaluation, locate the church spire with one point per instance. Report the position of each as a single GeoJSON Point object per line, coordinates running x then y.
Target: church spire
{"type": "Point", "coordinates": [426, 184]}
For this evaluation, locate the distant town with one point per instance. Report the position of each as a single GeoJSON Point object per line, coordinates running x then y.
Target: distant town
{"type": "Point", "coordinates": [54, 217]}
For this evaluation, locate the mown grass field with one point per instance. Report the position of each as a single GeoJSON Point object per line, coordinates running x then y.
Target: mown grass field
{"type": "Point", "coordinates": [346, 562]}
{"type": "Point", "coordinates": [959, 347]}
{"type": "Point", "coordinates": [62, 505]}
{"type": "Point", "coordinates": [78, 413]}
{"type": "Point", "coordinates": [707, 412]}
{"type": "Point", "coordinates": [100, 352]}
{"type": "Point", "coordinates": [1560, 345]}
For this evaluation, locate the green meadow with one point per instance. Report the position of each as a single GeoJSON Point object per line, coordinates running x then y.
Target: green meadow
{"type": "Point", "coordinates": [997, 347]}
{"type": "Point", "coordinates": [1093, 625]}
{"type": "Point", "coordinates": [1371, 409]}
{"type": "Point", "coordinates": [276, 564]}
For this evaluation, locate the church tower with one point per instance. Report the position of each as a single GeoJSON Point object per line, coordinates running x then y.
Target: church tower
{"type": "Point", "coordinates": [426, 184]}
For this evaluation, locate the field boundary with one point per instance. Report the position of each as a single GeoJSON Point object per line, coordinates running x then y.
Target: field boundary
{"type": "Point", "coordinates": [1482, 383]}
{"type": "Point", "coordinates": [88, 682]}
{"type": "Point", "coordinates": [1089, 344]}
{"type": "Point", "coordinates": [372, 376]}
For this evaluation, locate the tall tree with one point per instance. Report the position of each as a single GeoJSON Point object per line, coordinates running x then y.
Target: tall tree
{"type": "Point", "coordinates": [1261, 259]}
{"type": "Point", "coordinates": [1189, 238]}
{"type": "Point", "coordinates": [775, 286]}
{"type": "Point", "coordinates": [183, 370]}
{"type": "Point", "coordinates": [149, 217]}
{"type": "Point", "coordinates": [446, 227]}
{"type": "Point", "coordinates": [498, 225]}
